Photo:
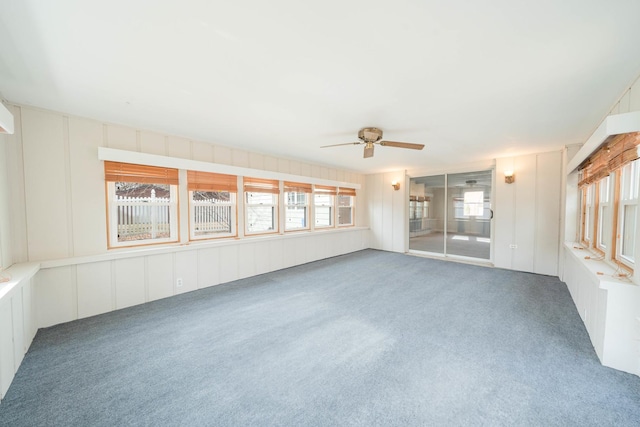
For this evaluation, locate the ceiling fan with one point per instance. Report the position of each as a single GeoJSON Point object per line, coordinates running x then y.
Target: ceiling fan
{"type": "Point", "coordinates": [371, 136]}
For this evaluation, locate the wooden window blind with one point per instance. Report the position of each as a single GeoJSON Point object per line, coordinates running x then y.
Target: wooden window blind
{"type": "Point", "coordinates": [346, 191]}
{"type": "Point", "coordinates": [297, 187]}
{"type": "Point", "coordinates": [128, 172]}
{"type": "Point", "coordinates": [207, 181]}
{"type": "Point", "coordinates": [324, 189]}
{"type": "Point", "coordinates": [259, 185]}
{"type": "Point", "coordinates": [616, 152]}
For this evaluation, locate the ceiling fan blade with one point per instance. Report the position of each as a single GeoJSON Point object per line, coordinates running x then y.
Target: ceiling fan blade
{"type": "Point", "coordinates": [368, 151]}
{"type": "Point", "coordinates": [402, 145]}
{"type": "Point", "coordinates": [337, 145]}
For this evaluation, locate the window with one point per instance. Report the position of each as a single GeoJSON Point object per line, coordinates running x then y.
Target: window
{"type": "Point", "coordinates": [323, 201]}
{"type": "Point", "coordinates": [261, 205]}
{"type": "Point", "coordinates": [603, 236]}
{"type": "Point", "coordinates": [142, 205]}
{"type": "Point", "coordinates": [296, 209]}
{"type": "Point", "coordinates": [345, 206]}
{"type": "Point", "coordinates": [587, 214]}
{"type": "Point", "coordinates": [473, 203]}
{"type": "Point", "coordinates": [212, 205]}
{"type": "Point", "coordinates": [627, 208]}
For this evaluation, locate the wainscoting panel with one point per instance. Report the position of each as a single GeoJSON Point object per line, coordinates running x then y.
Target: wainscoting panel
{"type": "Point", "coordinates": [160, 282]}
{"type": "Point", "coordinates": [129, 277]}
{"type": "Point", "coordinates": [90, 288]}
{"type": "Point", "coordinates": [95, 293]}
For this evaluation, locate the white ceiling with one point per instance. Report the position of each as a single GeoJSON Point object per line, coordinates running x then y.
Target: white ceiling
{"type": "Point", "coordinates": [471, 80]}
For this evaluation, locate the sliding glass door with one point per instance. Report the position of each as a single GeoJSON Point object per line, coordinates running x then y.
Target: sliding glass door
{"type": "Point", "coordinates": [451, 214]}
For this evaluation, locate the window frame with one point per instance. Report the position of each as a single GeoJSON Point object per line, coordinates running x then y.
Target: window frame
{"type": "Point", "coordinates": [297, 188]}
{"type": "Point", "coordinates": [351, 194]}
{"type": "Point", "coordinates": [319, 191]}
{"type": "Point", "coordinates": [628, 196]}
{"type": "Point", "coordinates": [120, 172]}
{"type": "Point", "coordinates": [264, 187]}
{"type": "Point", "coordinates": [198, 181]}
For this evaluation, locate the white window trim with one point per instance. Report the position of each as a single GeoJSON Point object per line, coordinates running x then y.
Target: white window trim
{"type": "Point", "coordinates": [275, 212]}
{"type": "Point", "coordinates": [113, 220]}
{"type": "Point", "coordinates": [233, 204]}
{"type": "Point", "coordinates": [297, 205]}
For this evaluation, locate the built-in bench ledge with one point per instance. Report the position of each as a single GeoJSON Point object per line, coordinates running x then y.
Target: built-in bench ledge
{"type": "Point", "coordinates": [608, 306]}
{"type": "Point", "coordinates": [606, 274]}
{"type": "Point", "coordinates": [17, 273]}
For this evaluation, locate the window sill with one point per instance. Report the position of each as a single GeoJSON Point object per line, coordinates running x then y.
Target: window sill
{"type": "Point", "coordinates": [605, 272]}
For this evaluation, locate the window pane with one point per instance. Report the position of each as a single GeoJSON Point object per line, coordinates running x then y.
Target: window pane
{"type": "Point", "coordinates": [344, 215]}
{"type": "Point", "coordinates": [323, 210]}
{"type": "Point", "coordinates": [602, 225]}
{"type": "Point", "coordinates": [296, 217]}
{"type": "Point", "coordinates": [261, 212]}
{"type": "Point", "coordinates": [629, 232]}
{"type": "Point", "coordinates": [260, 218]}
{"type": "Point", "coordinates": [473, 203]}
{"type": "Point", "coordinates": [212, 213]}
{"type": "Point", "coordinates": [323, 216]}
{"type": "Point", "coordinates": [143, 211]}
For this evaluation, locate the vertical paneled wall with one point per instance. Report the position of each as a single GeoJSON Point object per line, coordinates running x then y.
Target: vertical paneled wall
{"type": "Point", "coordinates": [527, 213]}
{"type": "Point", "coordinates": [388, 218]}
{"type": "Point", "coordinates": [58, 186]}
{"type": "Point", "coordinates": [6, 256]}
{"type": "Point", "coordinates": [76, 291]}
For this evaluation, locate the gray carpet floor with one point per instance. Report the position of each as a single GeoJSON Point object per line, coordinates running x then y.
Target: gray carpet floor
{"type": "Point", "coordinates": [366, 339]}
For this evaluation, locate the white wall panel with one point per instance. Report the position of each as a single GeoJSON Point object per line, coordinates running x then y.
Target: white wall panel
{"type": "Point", "coordinates": [525, 207]}
{"type": "Point", "coordinates": [95, 290]}
{"type": "Point", "coordinates": [87, 187]}
{"type": "Point", "coordinates": [159, 276]}
{"type": "Point", "coordinates": [504, 215]}
{"type": "Point", "coordinates": [45, 185]}
{"type": "Point", "coordinates": [28, 299]}
{"type": "Point", "coordinates": [187, 270]}
{"type": "Point", "coordinates": [6, 257]}
{"type": "Point", "coordinates": [276, 255]}
{"type": "Point", "coordinates": [178, 147]}
{"type": "Point", "coordinates": [121, 138]}
{"type": "Point", "coordinates": [129, 279]}
{"type": "Point", "coordinates": [246, 260]}
{"type": "Point", "coordinates": [208, 267]}
{"type": "Point", "coordinates": [202, 151]}
{"type": "Point", "coordinates": [271, 163]}
{"type": "Point", "coordinates": [228, 263]}
{"type": "Point", "coordinates": [261, 257]}
{"type": "Point", "coordinates": [547, 227]}
{"type": "Point", "coordinates": [240, 158]}
{"type": "Point", "coordinates": [152, 143]}
{"type": "Point", "coordinates": [222, 155]}
{"type": "Point", "coordinates": [295, 167]}
{"type": "Point", "coordinates": [283, 166]}
{"type": "Point", "coordinates": [256, 161]}
{"type": "Point", "coordinates": [18, 330]}
{"type": "Point", "coordinates": [56, 298]}
{"type": "Point", "coordinates": [15, 170]}
{"type": "Point", "coordinates": [6, 347]}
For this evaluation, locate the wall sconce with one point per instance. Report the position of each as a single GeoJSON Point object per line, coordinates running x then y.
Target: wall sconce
{"type": "Point", "coordinates": [395, 185]}
{"type": "Point", "coordinates": [509, 177]}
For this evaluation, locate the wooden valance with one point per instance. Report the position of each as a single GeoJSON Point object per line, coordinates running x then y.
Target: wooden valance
{"type": "Point", "coordinates": [129, 172]}
{"type": "Point", "coordinates": [208, 181]}
{"type": "Point", "coordinates": [615, 152]}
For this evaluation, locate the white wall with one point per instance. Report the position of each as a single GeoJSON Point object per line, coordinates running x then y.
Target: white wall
{"type": "Point", "coordinates": [527, 213]}
{"type": "Point", "coordinates": [6, 255]}
{"type": "Point", "coordinates": [61, 180]}
{"type": "Point", "coordinates": [388, 211]}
